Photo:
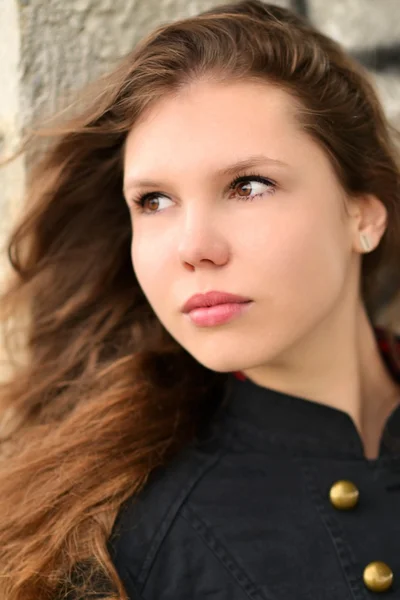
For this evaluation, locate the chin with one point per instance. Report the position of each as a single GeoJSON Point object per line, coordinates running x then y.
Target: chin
{"type": "Point", "coordinates": [222, 363]}
{"type": "Point", "coordinates": [222, 353]}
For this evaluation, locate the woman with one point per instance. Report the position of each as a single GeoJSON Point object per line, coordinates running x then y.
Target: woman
{"type": "Point", "coordinates": [209, 405]}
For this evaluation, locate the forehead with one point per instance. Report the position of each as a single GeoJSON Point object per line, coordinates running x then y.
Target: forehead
{"type": "Point", "coordinates": [206, 115]}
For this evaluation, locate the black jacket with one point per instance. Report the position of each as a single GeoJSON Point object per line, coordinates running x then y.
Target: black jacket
{"type": "Point", "coordinates": [248, 512]}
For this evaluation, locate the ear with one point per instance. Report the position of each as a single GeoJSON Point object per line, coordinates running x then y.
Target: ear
{"type": "Point", "coordinates": [368, 220]}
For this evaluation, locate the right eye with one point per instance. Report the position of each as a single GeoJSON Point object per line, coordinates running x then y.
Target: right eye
{"type": "Point", "coordinates": [152, 201]}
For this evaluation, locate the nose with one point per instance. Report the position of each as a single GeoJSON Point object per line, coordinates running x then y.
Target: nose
{"type": "Point", "coordinates": [201, 239]}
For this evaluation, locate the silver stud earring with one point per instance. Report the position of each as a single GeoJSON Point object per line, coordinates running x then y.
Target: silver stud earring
{"type": "Point", "coordinates": [365, 242]}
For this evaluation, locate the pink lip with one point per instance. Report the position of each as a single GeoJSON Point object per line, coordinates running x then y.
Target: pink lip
{"type": "Point", "coordinates": [215, 308]}
{"type": "Point", "coordinates": [220, 313]}
{"type": "Point", "coordinates": [212, 299]}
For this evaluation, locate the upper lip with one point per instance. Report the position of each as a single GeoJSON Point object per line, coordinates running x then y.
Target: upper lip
{"type": "Point", "coordinates": [211, 299]}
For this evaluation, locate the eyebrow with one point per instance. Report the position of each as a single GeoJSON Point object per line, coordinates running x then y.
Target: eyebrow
{"type": "Point", "coordinates": [251, 161]}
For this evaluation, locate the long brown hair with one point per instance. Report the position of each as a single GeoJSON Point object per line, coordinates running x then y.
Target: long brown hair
{"type": "Point", "coordinates": [103, 395]}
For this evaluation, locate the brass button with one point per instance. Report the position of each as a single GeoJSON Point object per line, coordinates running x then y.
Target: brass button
{"type": "Point", "coordinates": [378, 577]}
{"type": "Point", "coordinates": [344, 494]}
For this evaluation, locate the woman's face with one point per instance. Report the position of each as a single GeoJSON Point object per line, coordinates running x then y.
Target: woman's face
{"type": "Point", "coordinates": [280, 236]}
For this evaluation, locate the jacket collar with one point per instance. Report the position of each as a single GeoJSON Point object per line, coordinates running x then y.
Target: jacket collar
{"type": "Point", "coordinates": [305, 425]}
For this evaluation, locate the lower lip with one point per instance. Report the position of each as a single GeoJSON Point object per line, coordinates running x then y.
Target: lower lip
{"type": "Point", "coordinates": [220, 313]}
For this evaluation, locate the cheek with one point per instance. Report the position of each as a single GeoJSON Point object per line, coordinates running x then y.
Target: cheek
{"type": "Point", "coordinates": [149, 265]}
{"type": "Point", "coordinates": [303, 261]}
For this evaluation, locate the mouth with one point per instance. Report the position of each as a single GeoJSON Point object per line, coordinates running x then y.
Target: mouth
{"type": "Point", "coordinates": [218, 314]}
{"type": "Point", "coordinates": [211, 299]}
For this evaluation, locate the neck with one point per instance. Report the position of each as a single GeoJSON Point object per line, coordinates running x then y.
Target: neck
{"type": "Point", "coordinates": [339, 364]}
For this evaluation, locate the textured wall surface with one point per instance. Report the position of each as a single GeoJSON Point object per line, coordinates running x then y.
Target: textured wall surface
{"type": "Point", "coordinates": [11, 178]}
{"type": "Point", "coordinates": [49, 48]}
{"type": "Point", "coordinates": [65, 44]}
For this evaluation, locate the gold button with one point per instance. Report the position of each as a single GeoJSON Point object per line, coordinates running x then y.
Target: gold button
{"type": "Point", "coordinates": [344, 494]}
{"type": "Point", "coordinates": [378, 577]}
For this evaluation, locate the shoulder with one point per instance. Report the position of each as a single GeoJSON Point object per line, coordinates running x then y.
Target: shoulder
{"type": "Point", "coordinates": [147, 521]}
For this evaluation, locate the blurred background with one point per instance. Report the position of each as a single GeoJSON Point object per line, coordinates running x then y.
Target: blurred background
{"type": "Point", "coordinates": [49, 48]}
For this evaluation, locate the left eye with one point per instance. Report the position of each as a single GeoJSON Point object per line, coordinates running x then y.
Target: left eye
{"type": "Point", "coordinates": [252, 187]}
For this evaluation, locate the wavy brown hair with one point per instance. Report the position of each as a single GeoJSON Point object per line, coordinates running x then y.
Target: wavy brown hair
{"type": "Point", "coordinates": [104, 395]}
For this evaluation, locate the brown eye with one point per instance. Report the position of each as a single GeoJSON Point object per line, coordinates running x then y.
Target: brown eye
{"type": "Point", "coordinates": [244, 188]}
{"type": "Point", "coordinates": [152, 203]}
{"type": "Point", "coordinates": [248, 187]}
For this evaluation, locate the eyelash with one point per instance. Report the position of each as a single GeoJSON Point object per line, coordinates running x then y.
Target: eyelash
{"type": "Point", "coordinates": [140, 200]}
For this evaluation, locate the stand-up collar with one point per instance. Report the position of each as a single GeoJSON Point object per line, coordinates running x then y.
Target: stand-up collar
{"type": "Point", "coordinates": [300, 423]}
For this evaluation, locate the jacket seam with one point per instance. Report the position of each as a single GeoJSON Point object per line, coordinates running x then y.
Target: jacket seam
{"type": "Point", "coordinates": [133, 586]}
{"type": "Point", "coordinates": [241, 578]}
{"type": "Point", "coordinates": [357, 592]}
{"type": "Point", "coordinates": [171, 515]}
